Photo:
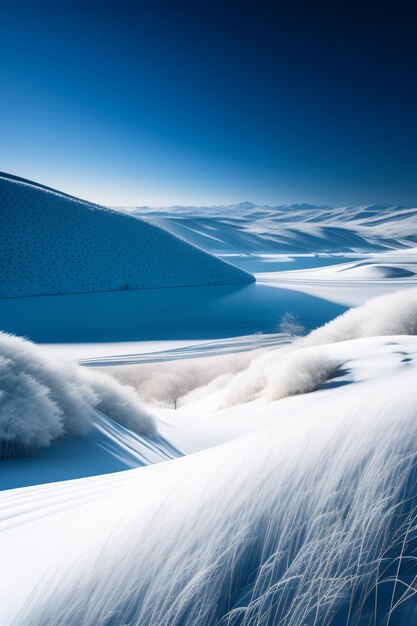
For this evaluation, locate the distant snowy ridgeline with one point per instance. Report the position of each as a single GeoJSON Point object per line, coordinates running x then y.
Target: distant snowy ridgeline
{"type": "Point", "coordinates": [297, 228]}
{"type": "Point", "coordinates": [52, 243]}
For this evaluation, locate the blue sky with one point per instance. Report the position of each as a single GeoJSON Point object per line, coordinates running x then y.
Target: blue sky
{"type": "Point", "coordinates": [200, 103]}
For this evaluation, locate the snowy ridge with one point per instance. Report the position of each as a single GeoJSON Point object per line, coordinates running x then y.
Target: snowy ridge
{"type": "Point", "coordinates": [52, 243]}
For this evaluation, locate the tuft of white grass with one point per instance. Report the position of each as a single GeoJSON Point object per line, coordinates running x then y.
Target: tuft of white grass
{"type": "Point", "coordinates": [42, 398]}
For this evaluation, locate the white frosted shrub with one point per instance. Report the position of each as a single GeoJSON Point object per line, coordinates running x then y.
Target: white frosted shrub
{"type": "Point", "coordinates": [271, 376]}
{"type": "Point", "coordinates": [22, 396]}
{"type": "Point", "coordinates": [391, 314]}
{"type": "Point", "coordinates": [225, 381]}
{"type": "Point", "coordinates": [42, 398]}
{"type": "Point", "coordinates": [168, 384]}
{"type": "Point", "coordinates": [120, 402]}
{"type": "Point", "coordinates": [301, 372]}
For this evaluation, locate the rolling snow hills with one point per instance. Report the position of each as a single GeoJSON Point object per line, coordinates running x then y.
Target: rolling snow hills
{"type": "Point", "coordinates": [299, 228]}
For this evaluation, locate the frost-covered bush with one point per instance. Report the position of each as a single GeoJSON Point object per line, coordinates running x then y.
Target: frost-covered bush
{"type": "Point", "coordinates": [224, 381]}
{"type": "Point", "coordinates": [300, 372]}
{"type": "Point", "coordinates": [120, 402]}
{"type": "Point", "coordinates": [270, 376]}
{"type": "Point", "coordinates": [289, 325]}
{"type": "Point", "coordinates": [391, 314]}
{"type": "Point", "coordinates": [166, 384]}
{"type": "Point", "coordinates": [42, 398]}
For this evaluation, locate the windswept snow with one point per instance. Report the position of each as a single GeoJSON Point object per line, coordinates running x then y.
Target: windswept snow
{"type": "Point", "coordinates": [52, 243]}
{"type": "Point", "coordinates": [107, 447]}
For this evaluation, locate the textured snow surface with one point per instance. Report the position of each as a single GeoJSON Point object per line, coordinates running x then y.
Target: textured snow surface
{"type": "Point", "coordinates": [52, 243]}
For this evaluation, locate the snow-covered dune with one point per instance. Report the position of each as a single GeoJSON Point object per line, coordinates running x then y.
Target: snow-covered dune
{"type": "Point", "coordinates": [376, 271]}
{"type": "Point", "coordinates": [52, 243]}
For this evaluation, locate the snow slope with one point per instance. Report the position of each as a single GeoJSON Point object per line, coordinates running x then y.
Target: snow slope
{"type": "Point", "coordinates": [108, 447]}
{"type": "Point", "coordinates": [52, 243]}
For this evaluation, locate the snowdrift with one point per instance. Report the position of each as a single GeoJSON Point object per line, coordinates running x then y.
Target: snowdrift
{"type": "Point", "coordinates": [43, 398]}
{"type": "Point", "coordinates": [375, 271]}
{"type": "Point", "coordinates": [52, 243]}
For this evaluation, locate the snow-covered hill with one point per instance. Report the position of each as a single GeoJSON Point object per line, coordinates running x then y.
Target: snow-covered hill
{"type": "Point", "coordinates": [52, 243]}
{"type": "Point", "coordinates": [297, 228]}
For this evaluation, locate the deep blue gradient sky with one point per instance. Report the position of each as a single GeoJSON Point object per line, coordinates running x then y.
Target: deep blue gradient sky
{"type": "Point", "coordinates": [204, 102]}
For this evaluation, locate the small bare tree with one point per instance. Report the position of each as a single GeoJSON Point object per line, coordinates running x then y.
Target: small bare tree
{"type": "Point", "coordinates": [257, 339]}
{"type": "Point", "coordinates": [289, 325]}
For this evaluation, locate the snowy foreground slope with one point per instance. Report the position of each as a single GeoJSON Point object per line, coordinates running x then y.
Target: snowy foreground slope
{"type": "Point", "coordinates": [52, 243]}
{"type": "Point", "coordinates": [308, 517]}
